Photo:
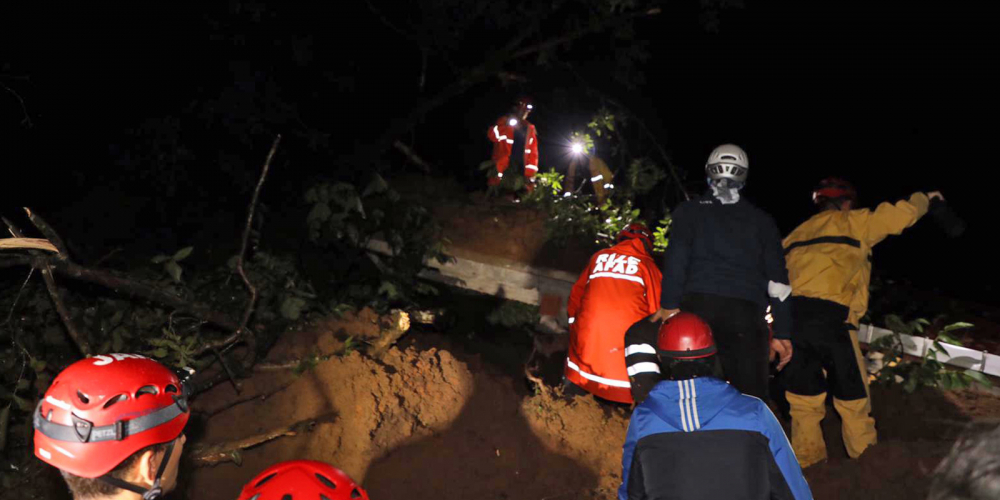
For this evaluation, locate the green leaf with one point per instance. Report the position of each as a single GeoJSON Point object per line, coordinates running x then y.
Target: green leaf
{"type": "Point", "coordinates": [38, 365]}
{"type": "Point", "coordinates": [320, 213]}
{"type": "Point", "coordinates": [948, 339]}
{"type": "Point", "coordinates": [159, 259]}
{"type": "Point", "coordinates": [174, 270]}
{"type": "Point", "coordinates": [947, 382]}
{"type": "Point", "coordinates": [22, 384]}
{"type": "Point", "coordinates": [237, 458]}
{"type": "Point", "coordinates": [957, 326]}
{"type": "Point", "coordinates": [161, 352]}
{"type": "Point", "coordinates": [377, 185]}
{"type": "Point", "coordinates": [388, 289]}
{"type": "Point", "coordinates": [183, 253]}
{"type": "Point", "coordinates": [911, 384]}
{"type": "Point", "coordinates": [979, 377]}
{"type": "Point", "coordinates": [291, 307]}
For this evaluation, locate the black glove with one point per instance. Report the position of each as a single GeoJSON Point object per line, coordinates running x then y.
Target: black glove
{"type": "Point", "coordinates": [946, 218]}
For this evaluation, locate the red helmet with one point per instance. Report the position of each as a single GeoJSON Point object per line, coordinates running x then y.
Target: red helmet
{"type": "Point", "coordinates": [306, 479]}
{"type": "Point", "coordinates": [103, 409]}
{"type": "Point", "coordinates": [639, 231]}
{"type": "Point", "coordinates": [834, 188]}
{"type": "Point", "coordinates": [685, 336]}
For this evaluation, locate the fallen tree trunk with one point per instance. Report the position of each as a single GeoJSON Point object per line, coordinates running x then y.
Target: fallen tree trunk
{"type": "Point", "coordinates": [134, 288]}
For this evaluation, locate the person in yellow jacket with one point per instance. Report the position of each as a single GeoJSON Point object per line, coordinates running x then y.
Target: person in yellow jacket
{"type": "Point", "coordinates": [601, 177]}
{"type": "Point", "coordinates": [829, 266]}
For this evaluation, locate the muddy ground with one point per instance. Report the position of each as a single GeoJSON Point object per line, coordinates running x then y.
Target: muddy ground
{"type": "Point", "coordinates": [433, 419]}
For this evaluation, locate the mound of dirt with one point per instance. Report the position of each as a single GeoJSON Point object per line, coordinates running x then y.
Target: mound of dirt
{"type": "Point", "coordinates": [424, 422]}
{"type": "Point", "coordinates": [415, 424]}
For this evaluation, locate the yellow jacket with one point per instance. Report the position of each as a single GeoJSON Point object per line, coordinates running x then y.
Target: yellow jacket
{"type": "Point", "coordinates": [829, 256]}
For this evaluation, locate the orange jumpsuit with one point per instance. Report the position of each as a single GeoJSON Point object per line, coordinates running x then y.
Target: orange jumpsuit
{"type": "Point", "coordinates": [620, 286]}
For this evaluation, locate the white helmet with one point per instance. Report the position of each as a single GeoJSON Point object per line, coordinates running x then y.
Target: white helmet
{"type": "Point", "coordinates": [728, 161]}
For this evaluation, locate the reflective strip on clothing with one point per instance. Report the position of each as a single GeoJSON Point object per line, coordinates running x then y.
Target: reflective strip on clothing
{"type": "Point", "coordinates": [571, 320]}
{"type": "Point", "coordinates": [688, 405]}
{"type": "Point", "coordinates": [646, 367]}
{"type": "Point", "coordinates": [595, 378]}
{"type": "Point", "coordinates": [509, 141]}
{"type": "Point", "coordinates": [496, 131]}
{"type": "Point", "coordinates": [639, 349]}
{"type": "Point", "coordinates": [531, 167]}
{"type": "Point", "coordinates": [619, 276]}
{"type": "Point", "coordinates": [597, 178]}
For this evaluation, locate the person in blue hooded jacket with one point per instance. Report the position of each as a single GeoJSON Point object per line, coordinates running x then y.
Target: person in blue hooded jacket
{"type": "Point", "coordinates": [694, 436]}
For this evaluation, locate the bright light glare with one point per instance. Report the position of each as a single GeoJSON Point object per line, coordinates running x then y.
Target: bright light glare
{"type": "Point", "coordinates": [577, 148]}
{"type": "Point", "coordinates": [513, 122]}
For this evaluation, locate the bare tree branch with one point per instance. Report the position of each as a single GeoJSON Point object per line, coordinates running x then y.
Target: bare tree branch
{"type": "Point", "coordinates": [211, 412]}
{"type": "Point", "coordinates": [48, 232]}
{"type": "Point", "coordinates": [215, 454]}
{"type": "Point", "coordinates": [27, 118]}
{"type": "Point", "coordinates": [50, 284]}
{"type": "Point", "coordinates": [582, 32]}
{"type": "Point", "coordinates": [28, 243]}
{"type": "Point", "coordinates": [410, 155]}
{"type": "Point", "coordinates": [243, 247]}
{"type": "Point", "coordinates": [135, 288]}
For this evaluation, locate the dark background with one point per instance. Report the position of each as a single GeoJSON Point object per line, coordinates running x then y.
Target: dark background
{"type": "Point", "coordinates": [145, 116]}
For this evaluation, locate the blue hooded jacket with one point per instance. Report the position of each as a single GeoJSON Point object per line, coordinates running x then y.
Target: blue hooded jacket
{"type": "Point", "coordinates": [701, 438]}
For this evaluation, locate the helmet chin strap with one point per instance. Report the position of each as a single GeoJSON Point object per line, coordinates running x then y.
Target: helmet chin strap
{"type": "Point", "coordinates": [155, 491]}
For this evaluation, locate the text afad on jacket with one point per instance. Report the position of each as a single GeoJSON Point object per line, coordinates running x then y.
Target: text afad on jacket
{"type": "Point", "coordinates": [614, 263]}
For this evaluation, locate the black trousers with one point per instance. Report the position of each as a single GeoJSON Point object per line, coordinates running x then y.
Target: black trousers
{"type": "Point", "coordinates": [740, 335]}
{"type": "Point", "coordinates": [822, 341]}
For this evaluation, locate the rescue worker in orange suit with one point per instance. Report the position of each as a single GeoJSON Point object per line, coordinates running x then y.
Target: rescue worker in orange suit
{"type": "Point", "coordinates": [829, 267]}
{"type": "Point", "coordinates": [620, 286]}
{"type": "Point", "coordinates": [511, 134]}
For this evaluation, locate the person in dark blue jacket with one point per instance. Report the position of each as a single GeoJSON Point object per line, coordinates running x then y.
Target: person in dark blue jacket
{"type": "Point", "coordinates": [695, 436]}
{"type": "Point", "coordinates": [725, 263]}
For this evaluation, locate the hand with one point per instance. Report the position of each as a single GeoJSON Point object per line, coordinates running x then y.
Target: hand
{"type": "Point", "coordinates": [663, 314]}
{"type": "Point", "coordinates": [783, 348]}
{"type": "Point", "coordinates": [935, 195]}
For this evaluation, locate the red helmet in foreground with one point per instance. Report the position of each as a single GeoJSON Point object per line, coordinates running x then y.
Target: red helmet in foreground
{"type": "Point", "coordinates": [302, 479]}
{"type": "Point", "coordinates": [638, 231]}
{"type": "Point", "coordinates": [101, 410]}
{"type": "Point", "coordinates": [685, 336]}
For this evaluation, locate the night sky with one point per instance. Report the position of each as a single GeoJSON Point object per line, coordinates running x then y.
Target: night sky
{"type": "Point", "coordinates": [894, 96]}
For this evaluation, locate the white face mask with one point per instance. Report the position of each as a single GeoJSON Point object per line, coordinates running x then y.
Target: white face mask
{"type": "Point", "coordinates": [727, 191]}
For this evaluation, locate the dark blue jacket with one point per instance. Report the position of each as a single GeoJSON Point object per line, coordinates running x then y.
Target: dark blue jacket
{"type": "Point", "coordinates": [729, 250]}
{"type": "Point", "coordinates": [702, 439]}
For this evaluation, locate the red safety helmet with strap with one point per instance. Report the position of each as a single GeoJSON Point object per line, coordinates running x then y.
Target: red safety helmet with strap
{"type": "Point", "coordinates": [638, 231]}
{"type": "Point", "coordinates": [833, 188]}
{"type": "Point", "coordinates": [101, 410]}
{"type": "Point", "coordinates": [685, 336]}
{"type": "Point", "coordinates": [306, 479]}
